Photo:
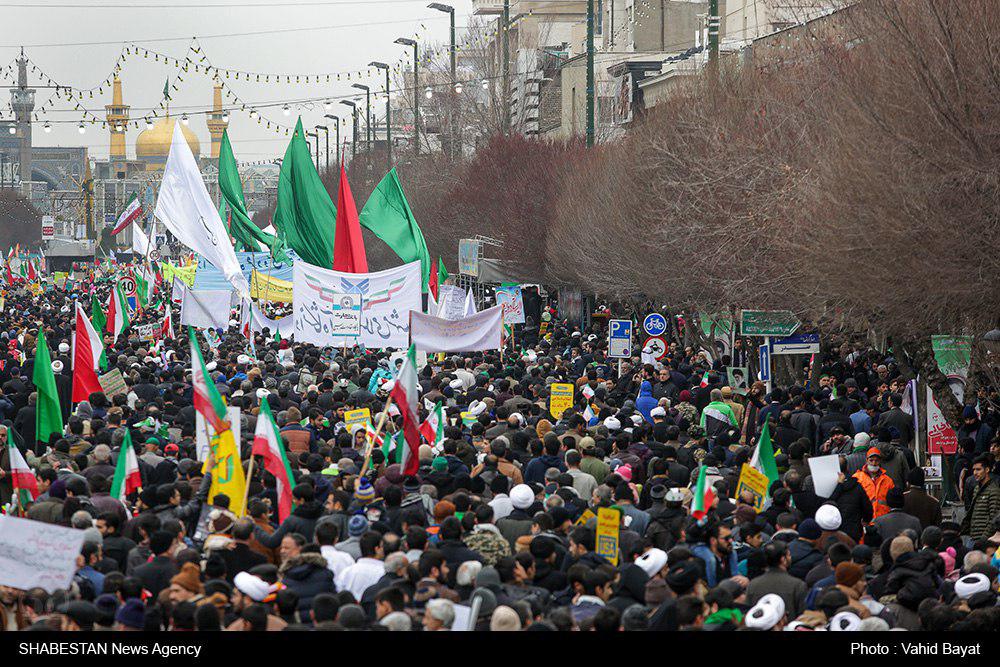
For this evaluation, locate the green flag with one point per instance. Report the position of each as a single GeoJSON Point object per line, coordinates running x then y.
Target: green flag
{"type": "Point", "coordinates": [48, 415]}
{"type": "Point", "coordinates": [166, 88]}
{"type": "Point", "coordinates": [763, 456]}
{"type": "Point", "coordinates": [305, 214]}
{"type": "Point", "coordinates": [387, 215]}
{"type": "Point", "coordinates": [443, 274]}
{"type": "Point", "coordinates": [99, 322]}
{"type": "Point", "coordinates": [241, 227]}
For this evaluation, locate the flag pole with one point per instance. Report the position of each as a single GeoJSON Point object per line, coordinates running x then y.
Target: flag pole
{"type": "Point", "coordinates": [246, 490]}
{"type": "Point", "coordinates": [374, 439]}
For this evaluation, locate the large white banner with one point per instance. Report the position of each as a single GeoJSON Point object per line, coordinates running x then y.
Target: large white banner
{"type": "Point", "coordinates": [475, 333]}
{"type": "Point", "coordinates": [325, 305]}
{"type": "Point", "coordinates": [37, 555]}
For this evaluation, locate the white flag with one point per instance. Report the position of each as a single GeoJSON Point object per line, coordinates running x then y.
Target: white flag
{"type": "Point", "coordinates": [206, 308]}
{"type": "Point", "coordinates": [140, 242]}
{"type": "Point", "coordinates": [185, 208]}
{"type": "Point", "coordinates": [470, 304]}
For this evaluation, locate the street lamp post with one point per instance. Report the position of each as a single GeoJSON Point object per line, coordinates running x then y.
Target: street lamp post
{"type": "Point", "coordinates": [388, 116]}
{"type": "Point", "coordinates": [315, 135]}
{"type": "Point", "coordinates": [368, 114]}
{"type": "Point", "coordinates": [354, 122]}
{"type": "Point", "coordinates": [452, 51]}
{"type": "Point", "coordinates": [326, 162]}
{"type": "Point", "coordinates": [406, 41]}
{"type": "Point", "coordinates": [336, 125]}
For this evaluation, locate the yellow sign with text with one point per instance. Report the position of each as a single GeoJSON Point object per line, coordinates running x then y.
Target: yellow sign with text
{"type": "Point", "coordinates": [560, 398]}
{"type": "Point", "coordinates": [755, 482]}
{"type": "Point", "coordinates": [266, 288]}
{"type": "Point", "coordinates": [608, 520]}
{"type": "Point", "coordinates": [352, 417]}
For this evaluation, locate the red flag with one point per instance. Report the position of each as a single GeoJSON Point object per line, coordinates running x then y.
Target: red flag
{"type": "Point", "coordinates": [87, 348]}
{"type": "Point", "coordinates": [432, 283]}
{"type": "Point", "coordinates": [348, 245]}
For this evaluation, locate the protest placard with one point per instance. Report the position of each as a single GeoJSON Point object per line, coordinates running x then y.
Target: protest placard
{"type": "Point", "coordinates": [755, 482]}
{"type": "Point", "coordinates": [34, 554]}
{"type": "Point", "coordinates": [560, 398]}
{"type": "Point", "coordinates": [112, 383]}
{"type": "Point", "coordinates": [608, 520]}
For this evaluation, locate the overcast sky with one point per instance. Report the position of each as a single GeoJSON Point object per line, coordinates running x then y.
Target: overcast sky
{"type": "Point", "coordinates": [52, 31]}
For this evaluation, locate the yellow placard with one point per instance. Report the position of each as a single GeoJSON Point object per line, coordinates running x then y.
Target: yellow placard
{"type": "Point", "coordinates": [584, 518]}
{"type": "Point", "coordinates": [608, 520]}
{"type": "Point", "coordinates": [755, 482]}
{"type": "Point", "coordinates": [560, 398]}
{"type": "Point", "coordinates": [267, 288]}
{"type": "Point", "coordinates": [352, 417]}
{"type": "Point", "coordinates": [185, 273]}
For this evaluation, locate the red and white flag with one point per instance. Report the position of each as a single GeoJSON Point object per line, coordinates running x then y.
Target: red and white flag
{"type": "Point", "coordinates": [167, 330]}
{"type": "Point", "coordinates": [133, 209]}
{"type": "Point", "coordinates": [267, 443]}
{"type": "Point", "coordinates": [404, 394]}
{"type": "Point", "coordinates": [87, 351]}
{"type": "Point", "coordinates": [25, 484]}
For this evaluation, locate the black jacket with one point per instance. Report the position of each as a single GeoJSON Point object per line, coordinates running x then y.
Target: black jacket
{"type": "Point", "coordinates": [308, 576]}
{"type": "Point", "coordinates": [156, 574]}
{"type": "Point", "coordinates": [302, 520]}
{"type": "Point", "coordinates": [855, 508]}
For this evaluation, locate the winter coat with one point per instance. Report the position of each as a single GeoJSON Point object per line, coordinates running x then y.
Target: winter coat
{"type": "Point", "coordinates": [922, 505]}
{"type": "Point", "coordinates": [875, 488]}
{"type": "Point", "coordinates": [631, 588]}
{"type": "Point", "coordinates": [535, 470]}
{"type": "Point", "coordinates": [804, 558]}
{"type": "Point", "coordinates": [645, 402]}
{"type": "Point", "coordinates": [775, 580]}
{"type": "Point", "coordinates": [978, 523]}
{"type": "Point", "coordinates": [307, 574]}
{"type": "Point", "coordinates": [302, 520]}
{"type": "Point", "coordinates": [855, 508]}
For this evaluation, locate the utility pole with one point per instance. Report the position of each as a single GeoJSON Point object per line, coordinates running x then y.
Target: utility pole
{"type": "Point", "coordinates": [388, 116]}
{"type": "Point", "coordinates": [452, 92]}
{"type": "Point", "coordinates": [590, 72]}
{"type": "Point", "coordinates": [368, 114]}
{"type": "Point", "coordinates": [315, 135]}
{"type": "Point", "coordinates": [326, 163]}
{"type": "Point", "coordinates": [354, 122]}
{"type": "Point", "coordinates": [406, 41]}
{"type": "Point", "coordinates": [336, 125]}
{"type": "Point", "coordinates": [713, 33]}
{"type": "Point", "coordinates": [505, 103]}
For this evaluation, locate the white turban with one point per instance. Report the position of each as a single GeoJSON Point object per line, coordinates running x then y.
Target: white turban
{"type": "Point", "coordinates": [766, 613]}
{"type": "Point", "coordinates": [477, 408]}
{"type": "Point", "coordinates": [971, 584]}
{"type": "Point", "coordinates": [252, 586]}
{"type": "Point", "coordinates": [652, 561]}
{"type": "Point", "coordinates": [612, 424]}
{"type": "Point", "coordinates": [828, 517]}
{"type": "Point", "coordinates": [521, 496]}
{"type": "Point", "coordinates": [845, 621]}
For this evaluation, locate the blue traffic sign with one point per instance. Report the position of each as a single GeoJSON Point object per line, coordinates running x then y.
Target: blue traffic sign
{"type": "Point", "coordinates": [620, 339]}
{"type": "Point", "coordinates": [764, 361]}
{"type": "Point", "coordinates": [797, 343]}
{"type": "Point", "coordinates": [654, 324]}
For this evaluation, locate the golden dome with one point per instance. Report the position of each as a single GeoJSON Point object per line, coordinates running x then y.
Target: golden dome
{"type": "Point", "coordinates": [154, 144]}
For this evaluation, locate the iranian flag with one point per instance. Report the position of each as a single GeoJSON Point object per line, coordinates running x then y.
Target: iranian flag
{"type": "Point", "coordinates": [268, 444]}
{"type": "Point", "coordinates": [704, 495]}
{"type": "Point", "coordinates": [25, 484]}
{"type": "Point", "coordinates": [590, 415]}
{"type": "Point", "coordinates": [763, 457]}
{"type": "Point", "coordinates": [392, 446]}
{"type": "Point", "coordinates": [404, 394]}
{"type": "Point", "coordinates": [167, 330]}
{"type": "Point", "coordinates": [117, 317]}
{"type": "Point", "coordinates": [433, 427]}
{"type": "Point", "coordinates": [132, 212]}
{"type": "Point", "coordinates": [207, 400]}
{"type": "Point", "coordinates": [87, 351]}
{"type": "Point", "coordinates": [127, 478]}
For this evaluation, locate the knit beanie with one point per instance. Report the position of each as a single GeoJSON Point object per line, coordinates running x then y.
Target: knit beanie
{"type": "Point", "coordinates": [440, 464]}
{"type": "Point", "coordinates": [365, 493]}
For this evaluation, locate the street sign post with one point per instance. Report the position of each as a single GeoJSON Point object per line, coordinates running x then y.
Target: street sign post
{"type": "Point", "coordinates": [764, 361]}
{"type": "Point", "coordinates": [654, 324]}
{"type": "Point", "coordinates": [654, 349]}
{"type": "Point", "coordinates": [620, 339]}
{"type": "Point", "coordinates": [799, 343]}
{"type": "Point", "coordinates": [768, 322]}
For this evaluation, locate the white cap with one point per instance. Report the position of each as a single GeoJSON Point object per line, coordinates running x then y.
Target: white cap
{"type": "Point", "coordinates": [477, 407]}
{"type": "Point", "coordinates": [657, 412]}
{"type": "Point", "coordinates": [612, 424]}
{"type": "Point", "coordinates": [971, 584]}
{"type": "Point", "coordinates": [57, 366]}
{"type": "Point", "coordinates": [63, 348]}
{"type": "Point", "coordinates": [521, 496]}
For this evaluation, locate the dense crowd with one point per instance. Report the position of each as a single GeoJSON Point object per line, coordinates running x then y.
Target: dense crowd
{"type": "Point", "coordinates": [497, 530]}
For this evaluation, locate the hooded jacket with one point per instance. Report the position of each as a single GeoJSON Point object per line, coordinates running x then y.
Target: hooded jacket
{"type": "Point", "coordinates": [307, 574]}
{"type": "Point", "coordinates": [645, 402]}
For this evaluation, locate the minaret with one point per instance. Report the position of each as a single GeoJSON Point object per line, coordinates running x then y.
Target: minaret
{"type": "Point", "coordinates": [215, 122]}
{"type": "Point", "coordinates": [117, 117]}
{"type": "Point", "coordinates": [22, 101]}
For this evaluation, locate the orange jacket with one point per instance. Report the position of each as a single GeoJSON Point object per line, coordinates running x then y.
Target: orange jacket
{"type": "Point", "coordinates": [876, 490]}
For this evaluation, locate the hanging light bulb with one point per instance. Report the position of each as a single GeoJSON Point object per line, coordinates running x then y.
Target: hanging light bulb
{"type": "Point", "coordinates": [286, 110]}
{"type": "Point", "coordinates": [225, 116]}
{"type": "Point", "coordinates": [428, 93]}
{"type": "Point", "coordinates": [12, 129]}
{"type": "Point", "coordinates": [486, 84]}
{"type": "Point", "coordinates": [184, 119]}
{"type": "Point", "coordinates": [327, 105]}
{"type": "Point", "coordinates": [47, 128]}
{"type": "Point", "coordinates": [149, 124]}
{"type": "Point", "coordinates": [80, 128]}
{"type": "Point", "coordinates": [458, 88]}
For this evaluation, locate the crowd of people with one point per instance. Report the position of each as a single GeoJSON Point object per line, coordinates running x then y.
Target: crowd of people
{"type": "Point", "coordinates": [498, 529]}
